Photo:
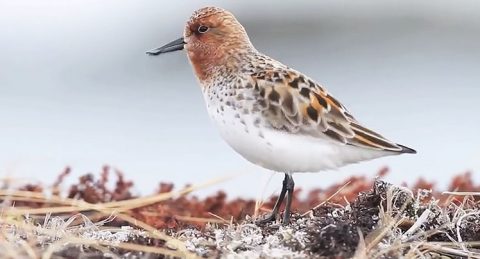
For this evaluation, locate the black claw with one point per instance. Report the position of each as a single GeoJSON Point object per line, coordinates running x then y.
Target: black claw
{"type": "Point", "coordinates": [272, 217]}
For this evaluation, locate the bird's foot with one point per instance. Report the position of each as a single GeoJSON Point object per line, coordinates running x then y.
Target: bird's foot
{"type": "Point", "coordinates": [271, 217]}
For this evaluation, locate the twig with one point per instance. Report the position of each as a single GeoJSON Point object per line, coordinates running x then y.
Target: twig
{"type": "Point", "coordinates": [417, 224]}
{"type": "Point", "coordinates": [325, 201]}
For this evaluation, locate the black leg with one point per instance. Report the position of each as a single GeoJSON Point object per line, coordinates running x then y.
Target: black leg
{"type": "Point", "coordinates": [273, 215]}
{"type": "Point", "coordinates": [288, 205]}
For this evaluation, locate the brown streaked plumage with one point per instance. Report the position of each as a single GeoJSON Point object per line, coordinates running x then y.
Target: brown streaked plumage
{"type": "Point", "coordinates": [273, 115]}
{"type": "Point", "coordinates": [318, 111]}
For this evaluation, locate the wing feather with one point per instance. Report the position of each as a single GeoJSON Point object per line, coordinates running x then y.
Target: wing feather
{"type": "Point", "coordinates": [293, 102]}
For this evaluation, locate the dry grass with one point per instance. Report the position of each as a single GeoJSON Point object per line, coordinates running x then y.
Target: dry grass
{"type": "Point", "coordinates": [388, 239]}
{"type": "Point", "coordinates": [22, 237]}
{"type": "Point", "coordinates": [385, 222]}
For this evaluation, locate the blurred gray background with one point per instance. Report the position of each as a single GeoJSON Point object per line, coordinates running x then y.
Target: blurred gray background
{"type": "Point", "coordinates": [77, 89]}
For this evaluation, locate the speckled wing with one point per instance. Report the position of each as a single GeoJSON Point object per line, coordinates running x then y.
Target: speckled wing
{"type": "Point", "coordinates": [290, 101]}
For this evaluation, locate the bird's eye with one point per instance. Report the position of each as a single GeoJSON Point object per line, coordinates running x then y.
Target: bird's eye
{"type": "Point", "coordinates": [202, 29]}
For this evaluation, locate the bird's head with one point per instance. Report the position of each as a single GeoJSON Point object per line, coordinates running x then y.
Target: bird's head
{"type": "Point", "coordinates": [212, 37]}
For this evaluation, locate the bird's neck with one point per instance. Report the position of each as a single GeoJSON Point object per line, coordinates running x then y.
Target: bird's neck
{"type": "Point", "coordinates": [221, 64]}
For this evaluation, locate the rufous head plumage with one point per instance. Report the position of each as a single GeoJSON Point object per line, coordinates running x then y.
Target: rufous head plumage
{"type": "Point", "coordinates": [213, 35]}
{"type": "Point", "coordinates": [213, 38]}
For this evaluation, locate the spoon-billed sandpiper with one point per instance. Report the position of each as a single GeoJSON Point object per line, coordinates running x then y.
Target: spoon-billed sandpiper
{"type": "Point", "coordinates": [274, 116]}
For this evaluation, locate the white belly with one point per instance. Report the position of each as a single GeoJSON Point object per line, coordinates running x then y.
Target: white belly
{"type": "Point", "coordinates": [281, 151]}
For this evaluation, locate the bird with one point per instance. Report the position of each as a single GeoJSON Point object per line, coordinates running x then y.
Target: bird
{"type": "Point", "coordinates": [274, 116]}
